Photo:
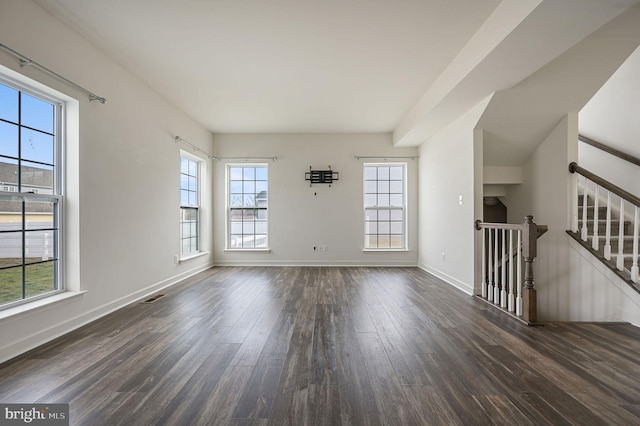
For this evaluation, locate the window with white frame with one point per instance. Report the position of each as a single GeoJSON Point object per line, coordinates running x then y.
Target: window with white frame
{"type": "Point", "coordinates": [31, 193]}
{"type": "Point", "coordinates": [189, 205]}
{"type": "Point", "coordinates": [247, 204]}
{"type": "Point", "coordinates": [385, 206]}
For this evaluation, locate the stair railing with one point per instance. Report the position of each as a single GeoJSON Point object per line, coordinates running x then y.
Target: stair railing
{"type": "Point", "coordinates": [596, 187]}
{"type": "Point", "coordinates": [507, 250]}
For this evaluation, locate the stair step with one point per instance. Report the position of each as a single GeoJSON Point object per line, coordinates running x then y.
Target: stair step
{"type": "Point", "coordinates": [602, 226]}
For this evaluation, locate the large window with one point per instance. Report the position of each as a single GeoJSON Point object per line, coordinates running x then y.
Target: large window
{"type": "Point", "coordinates": [385, 206]}
{"type": "Point", "coordinates": [247, 206]}
{"type": "Point", "coordinates": [189, 206]}
{"type": "Point", "coordinates": [30, 194]}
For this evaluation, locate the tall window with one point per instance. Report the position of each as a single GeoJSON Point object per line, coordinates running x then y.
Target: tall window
{"type": "Point", "coordinates": [385, 206]}
{"type": "Point", "coordinates": [247, 206]}
{"type": "Point", "coordinates": [189, 206]}
{"type": "Point", "coordinates": [30, 194]}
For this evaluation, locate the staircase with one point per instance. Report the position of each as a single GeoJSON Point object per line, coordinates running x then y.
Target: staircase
{"type": "Point", "coordinates": [602, 244]}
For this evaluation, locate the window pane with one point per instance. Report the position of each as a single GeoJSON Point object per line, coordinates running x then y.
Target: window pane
{"type": "Point", "coordinates": [370, 173]}
{"type": "Point", "coordinates": [235, 200]}
{"type": "Point", "coordinates": [9, 175]}
{"type": "Point", "coordinates": [10, 284]}
{"type": "Point", "coordinates": [236, 227]}
{"type": "Point", "coordinates": [383, 227]}
{"type": "Point", "coordinates": [261, 186]}
{"type": "Point", "coordinates": [37, 114]}
{"type": "Point", "coordinates": [371, 214]}
{"type": "Point", "coordinates": [235, 186]}
{"type": "Point", "coordinates": [39, 246]}
{"type": "Point", "coordinates": [396, 227]}
{"type": "Point", "coordinates": [262, 214]}
{"type": "Point", "coordinates": [261, 241]}
{"type": "Point", "coordinates": [383, 215]}
{"type": "Point", "coordinates": [37, 146]}
{"type": "Point", "coordinates": [261, 227]}
{"type": "Point", "coordinates": [248, 241]}
{"type": "Point", "coordinates": [249, 187]}
{"type": "Point", "coordinates": [249, 200]}
{"type": "Point", "coordinates": [396, 200]}
{"type": "Point", "coordinates": [193, 183]}
{"type": "Point", "coordinates": [383, 187]}
{"type": "Point", "coordinates": [193, 168]}
{"type": "Point", "coordinates": [396, 187]}
{"type": "Point", "coordinates": [36, 176]}
{"type": "Point", "coordinates": [397, 241]}
{"type": "Point", "coordinates": [383, 173]}
{"type": "Point", "coordinates": [184, 165]}
{"type": "Point", "coordinates": [370, 200]}
{"type": "Point", "coordinates": [383, 200]}
{"type": "Point", "coordinates": [371, 227]}
{"type": "Point", "coordinates": [8, 103]}
{"type": "Point", "coordinates": [396, 173]}
{"type": "Point", "coordinates": [39, 278]}
{"type": "Point", "coordinates": [396, 215]}
{"type": "Point", "coordinates": [10, 247]}
{"type": "Point", "coordinates": [193, 199]}
{"type": "Point", "coordinates": [370, 187]}
{"type": "Point", "coordinates": [248, 228]}
{"type": "Point", "coordinates": [249, 173]}
{"type": "Point", "coordinates": [8, 139]}
{"type": "Point", "coordinates": [261, 173]}
{"type": "Point", "coordinates": [235, 173]}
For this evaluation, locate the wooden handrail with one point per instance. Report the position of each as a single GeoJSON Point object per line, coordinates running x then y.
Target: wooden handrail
{"type": "Point", "coordinates": [574, 168]}
{"type": "Point", "coordinates": [610, 150]}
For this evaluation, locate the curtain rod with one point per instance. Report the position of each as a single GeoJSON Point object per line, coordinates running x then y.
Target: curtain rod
{"type": "Point", "coordinates": [24, 61]}
{"type": "Point", "coordinates": [195, 148]}
{"type": "Point", "coordinates": [385, 157]}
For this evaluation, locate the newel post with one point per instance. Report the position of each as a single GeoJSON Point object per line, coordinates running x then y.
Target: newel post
{"type": "Point", "coordinates": [529, 252]}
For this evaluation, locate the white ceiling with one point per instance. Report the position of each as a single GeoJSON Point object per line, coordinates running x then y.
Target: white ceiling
{"type": "Point", "coordinates": [330, 66]}
{"type": "Point", "coordinates": [282, 65]}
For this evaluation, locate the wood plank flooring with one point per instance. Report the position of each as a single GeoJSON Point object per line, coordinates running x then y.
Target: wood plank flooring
{"type": "Point", "coordinates": [330, 346]}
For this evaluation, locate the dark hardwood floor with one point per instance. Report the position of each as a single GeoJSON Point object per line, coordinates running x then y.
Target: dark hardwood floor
{"type": "Point", "coordinates": [330, 346]}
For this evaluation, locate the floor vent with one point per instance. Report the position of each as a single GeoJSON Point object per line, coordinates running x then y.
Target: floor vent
{"type": "Point", "coordinates": [154, 298]}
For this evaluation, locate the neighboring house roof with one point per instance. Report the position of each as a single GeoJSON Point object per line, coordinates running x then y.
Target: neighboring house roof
{"type": "Point", "coordinates": [33, 176]}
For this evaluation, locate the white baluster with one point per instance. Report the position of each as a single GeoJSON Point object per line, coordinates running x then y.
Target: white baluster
{"type": "Point", "coordinates": [490, 264]}
{"type": "Point", "coordinates": [607, 238]}
{"type": "Point", "coordinates": [585, 232]}
{"type": "Point", "coordinates": [503, 292]}
{"type": "Point", "coordinates": [595, 241]}
{"type": "Point", "coordinates": [496, 286]}
{"type": "Point", "coordinates": [519, 275]}
{"type": "Point", "coordinates": [511, 303]}
{"type": "Point", "coordinates": [620, 259]}
{"type": "Point", "coordinates": [575, 201]}
{"type": "Point", "coordinates": [634, 266]}
{"type": "Point", "coordinates": [484, 264]}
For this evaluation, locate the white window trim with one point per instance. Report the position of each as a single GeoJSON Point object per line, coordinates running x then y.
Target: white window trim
{"type": "Point", "coordinates": [199, 252]}
{"type": "Point", "coordinates": [60, 102]}
{"type": "Point", "coordinates": [227, 211]}
{"type": "Point", "coordinates": [404, 209]}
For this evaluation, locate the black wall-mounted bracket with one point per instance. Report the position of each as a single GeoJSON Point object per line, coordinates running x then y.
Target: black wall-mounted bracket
{"type": "Point", "coordinates": [321, 176]}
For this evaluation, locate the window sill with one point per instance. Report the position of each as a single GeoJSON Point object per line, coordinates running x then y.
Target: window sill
{"type": "Point", "coordinates": [241, 250]}
{"type": "Point", "coordinates": [40, 303]}
{"type": "Point", "coordinates": [193, 256]}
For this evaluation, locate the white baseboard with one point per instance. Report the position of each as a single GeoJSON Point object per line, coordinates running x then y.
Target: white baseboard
{"type": "Point", "coordinates": [13, 349]}
{"type": "Point", "coordinates": [462, 286]}
{"type": "Point", "coordinates": [329, 263]}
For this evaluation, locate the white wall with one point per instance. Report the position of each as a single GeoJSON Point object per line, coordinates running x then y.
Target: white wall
{"type": "Point", "coordinates": [450, 168]}
{"type": "Point", "coordinates": [301, 216]}
{"type": "Point", "coordinates": [611, 116]}
{"type": "Point", "coordinates": [544, 194]}
{"type": "Point", "coordinates": [122, 193]}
